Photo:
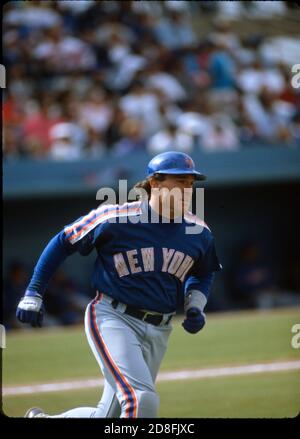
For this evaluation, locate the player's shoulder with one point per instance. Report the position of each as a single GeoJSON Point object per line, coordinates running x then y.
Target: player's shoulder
{"type": "Point", "coordinates": [101, 215]}
{"type": "Point", "coordinates": [205, 235]}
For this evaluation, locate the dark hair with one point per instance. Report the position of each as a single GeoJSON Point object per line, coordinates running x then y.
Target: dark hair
{"type": "Point", "coordinates": [146, 186]}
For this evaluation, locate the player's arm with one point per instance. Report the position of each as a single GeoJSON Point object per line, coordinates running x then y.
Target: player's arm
{"type": "Point", "coordinates": [197, 288]}
{"type": "Point", "coordinates": [77, 237]}
{"type": "Point", "coordinates": [197, 291]}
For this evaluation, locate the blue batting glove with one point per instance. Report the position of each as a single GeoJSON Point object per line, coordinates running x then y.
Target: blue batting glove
{"type": "Point", "coordinates": [31, 309]}
{"type": "Point", "coordinates": [195, 320]}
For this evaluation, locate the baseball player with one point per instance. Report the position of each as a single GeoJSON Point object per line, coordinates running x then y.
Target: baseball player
{"type": "Point", "coordinates": [144, 268]}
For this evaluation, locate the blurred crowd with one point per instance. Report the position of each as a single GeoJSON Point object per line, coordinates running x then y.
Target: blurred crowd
{"type": "Point", "coordinates": [87, 78]}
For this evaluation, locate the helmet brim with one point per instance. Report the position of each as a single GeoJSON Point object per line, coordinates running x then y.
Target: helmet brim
{"type": "Point", "coordinates": [198, 176]}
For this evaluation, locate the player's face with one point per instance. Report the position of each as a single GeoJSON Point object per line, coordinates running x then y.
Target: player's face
{"type": "Point", "coordinates": [174, 193]}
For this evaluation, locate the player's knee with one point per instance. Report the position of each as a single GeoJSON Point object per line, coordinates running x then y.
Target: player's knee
{"type": "Point", "coordinates": [148, 403]}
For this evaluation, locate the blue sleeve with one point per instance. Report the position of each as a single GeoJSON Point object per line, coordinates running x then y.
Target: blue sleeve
{"type": "Point", "coordinates": [202, 284]}
{"type": "Point", "coordinates": [202, 274]}
{"type": "Point", "coordinates": [81, 236]}
{"type": "Point", "coordinates": [52, 257]}
{"type": "Point", "coordinates": [209, 261]}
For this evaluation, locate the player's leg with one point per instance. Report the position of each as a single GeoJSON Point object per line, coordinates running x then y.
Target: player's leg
{"type": "Point", "coordinates": [129, 388]}
{"type": "Point", "coordinates": [79, 412]}
{"type": "Point", "coordinates": [155, 346]}
{"type": "Point", "coordinates": [153, 349]}
{"type": "Point", "coordinates": [118, 351]}
{"type": "Point", "coordinates": [108, 407]}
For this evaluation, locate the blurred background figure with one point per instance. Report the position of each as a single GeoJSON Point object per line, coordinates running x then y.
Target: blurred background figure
{"type": "Point", "coordinates": [65, 302]}
{"type": "Point", "coordinates": [254, 279]}
{"type": "Point", "coordinates": [64, 145]}
{"type": "Point", "coordinates": [256, 283]}
{"type": "Point", "coordinates": [221, 135]}
{"type": "Point", "coordinates": [132, 137]}
{"type": "Point", "coordinates": [171, 138]}
{"type": "Point", "coordinates": [174, 31]}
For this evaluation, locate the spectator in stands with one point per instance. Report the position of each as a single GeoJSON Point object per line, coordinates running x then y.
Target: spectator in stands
{"type": "Point", "coordinates": [139, 103]}
{"type": "Point", "coordinates": [37, 14]}
{"type": "Point", "coordinates": [113, 30]}
{"type": "Point", "coordinates": [95, 146]}
{"type": "Point", "coordinates": [267, 9]}
{"type": "Point", "coordinates": [113, 133]}
{"type": "Point", "coordinates": [57, 46]}
{"type": "Point", "coordinates": [37, 125]}
{"type": "Point", "coordinates": [157, 77]}
{"type": "Point", "coordinates": [220, 135]}
{"type": "Point", "coordinates": [222, 71]}
{"type": "Point", "coordinates": [268, 117]}
{"type": "Point", "coordinates": [174, 31]}
{"type": "Point", "coordinates": [95, 111]}
{"type": "Point", "coordinates": [171, 138]}
{"type": "Point", "coordinates": [132, 139]}
{"type": "Point", "coordinates": [256, 77]}
{"type": "Point", "coordinates": [222, 31]}
{"type": "Point", "coordinates": [246, 128]}
{"type": "Point", "coordinates": [11, 143]}
{"type": "Point", "coordinates": [13, 114]}
{"type": "Point", "coordinates": [176, 68]}
{"type": "Point", "coordinates": [221, 66]}
{"type": "Point", "coordinates": [196, 116]}
{"type": "Point", "coordinates": [64, 142]}
{"type": "Point", "coordinates": [20, 90]}
{"type": "Point", "coordinates": [126, 61]}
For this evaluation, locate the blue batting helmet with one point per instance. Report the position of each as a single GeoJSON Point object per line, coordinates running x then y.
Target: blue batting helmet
{"type": "Point", "coordinates": [173, 162]}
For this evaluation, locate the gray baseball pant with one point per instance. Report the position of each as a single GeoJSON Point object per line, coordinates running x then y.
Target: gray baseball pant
{"type": "Point", "coordinates": [129, 352]}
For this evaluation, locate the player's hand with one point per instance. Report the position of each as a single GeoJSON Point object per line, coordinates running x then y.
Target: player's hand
{"type": "Point", "coordinates": [31, 309]}
{"type": "Point", "coordinates": [195, 320]}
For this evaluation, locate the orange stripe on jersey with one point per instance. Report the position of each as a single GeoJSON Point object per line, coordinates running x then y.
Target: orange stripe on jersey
{"type": "Point", "coordinates": [82, 221]}
{"type": "Point", "coordinates": [100, 217]}
{"type": "Point", "coordinates": [98, 211]}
